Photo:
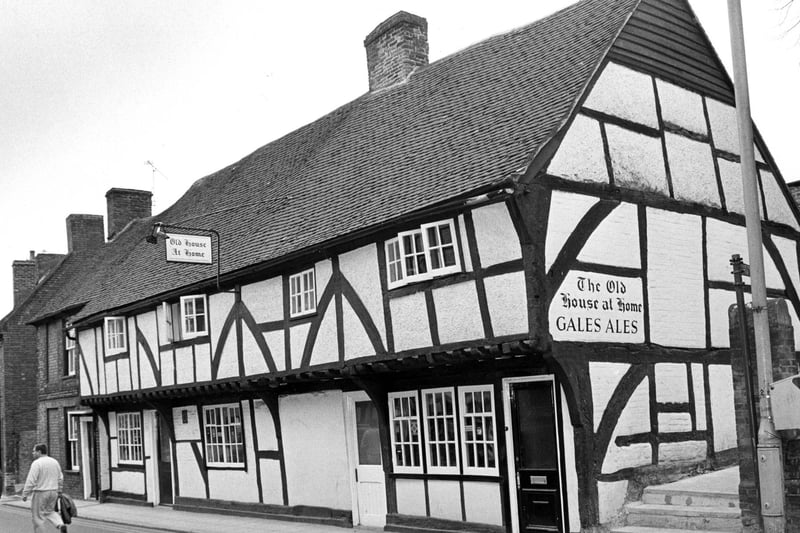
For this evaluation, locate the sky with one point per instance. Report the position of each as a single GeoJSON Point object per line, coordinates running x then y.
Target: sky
{"type": "Point", "coordinates": [92, 90]}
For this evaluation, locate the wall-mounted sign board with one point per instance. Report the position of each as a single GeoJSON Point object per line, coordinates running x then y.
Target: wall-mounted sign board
{"type": "Point", "coordinates": [189, 248]}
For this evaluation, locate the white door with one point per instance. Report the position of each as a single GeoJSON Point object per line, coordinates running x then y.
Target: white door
{"type": "Point", "coordinates": [368, 484]}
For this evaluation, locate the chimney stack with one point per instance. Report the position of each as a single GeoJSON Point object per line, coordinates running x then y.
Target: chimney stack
{"type": "Point", "coordinates": [395, 49]}
{"type": "Point", "coordinates": [125, 205]}
{"type": "Point", "coordinates": [25, 278]}
{"type": "Point", "coordinates": [84, 233]}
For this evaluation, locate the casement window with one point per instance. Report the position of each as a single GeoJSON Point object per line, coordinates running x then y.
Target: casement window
{"type": "Point", "coordinates": [129, 438]}
{"type": "Point", "coordinates": [70, 352]}
{"type": "Point", "coordinates": [186, 319]}
{"type": "Point", "coordinates": [302, 293]}
{"type": "Point", "coordinates": [404, 416]}
{"type": "Point", "coordinates": [449, 420]}
{"type": "Point", "coordinates": [116, 341]}
{"type": "Point", "coordinates": [224, 438]}
{"type": "Point", "coordinates": [422, 253]}
{"type": "Point", "coordinates": [73, 462]}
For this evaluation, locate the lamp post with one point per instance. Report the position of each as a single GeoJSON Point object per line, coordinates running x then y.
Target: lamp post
{"type": "Point", "coordinates": [160, 232]}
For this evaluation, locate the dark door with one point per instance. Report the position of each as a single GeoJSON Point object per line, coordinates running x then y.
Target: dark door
{"type": "Point", "coordinates": [536, 455]}
{"type": "Point", "coordinates": [164, 462]}
{"type": "Point", "coordinates": [92, 459]}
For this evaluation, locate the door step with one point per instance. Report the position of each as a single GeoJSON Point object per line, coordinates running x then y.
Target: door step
{"type": "Point", "coordinates": [691, 517]}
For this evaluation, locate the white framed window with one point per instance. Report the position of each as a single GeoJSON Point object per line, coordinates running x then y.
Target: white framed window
{"type": "Point", "coordinates": [194, 316]}
{"type": "Point", "coordinates": [224, 438]}
{"type": "Point", "coordinates": [439, 423]}
{"type": "Point", "coordinates": [302, 293]}
{"type": "Point", "coordinates": [116, 341]}
{"type": "Point", "coordinates": [422, 253]}
{"type": "Point", "coordinates": [404, 423]}
{"type": "Point", "coordinates": [129, 438]}
{"type": "Point", "coordinates": [478, 430]}
{"type": "Point", "coordinates": [70, 352]}
{"type": "Point", "coordinates": [72, 442]}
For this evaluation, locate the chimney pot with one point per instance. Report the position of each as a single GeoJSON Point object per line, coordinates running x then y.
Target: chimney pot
{"type": "Point", "coordinates": [395, 49]}
{"type": "Point", "coordinates": [125, 205]}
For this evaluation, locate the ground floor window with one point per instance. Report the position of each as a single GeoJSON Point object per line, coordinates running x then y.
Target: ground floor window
{"type": "Point", "coordinates": [73, 462]}
{"type": "Point", "coordinates": [129, 438]}
{"type": "Point", "coordinates": [224, 438]}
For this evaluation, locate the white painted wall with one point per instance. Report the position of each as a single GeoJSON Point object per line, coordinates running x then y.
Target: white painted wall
{"type": "Point", "coordinates": [127, 481]}
{"type": "Point", "coordinates": [360, 268]}
{"type": "Point", "coordinates": [356, 341]}
{"type": "Point", "coordinates": [610, 499]}
{"type": "Point", "coordinates": [409, 322]}
{"type": "Point", "coordinates": [326, 345]}
{"type": "Point", "coordinates": [635, 418]}
{"type": "Point", "coordinates": [189, 476]}
{"type": "Point", "coordinates": [495, 235]}
{"type": "Point", "coordinates": [184, 364]}
{"type": "Point", "coordinates": [605, 377]}
{"type": "Point", "coordinates": [637, 160]}
{"type": "Point", "coordinates": [254, 362]}
{"type": "Point", "coordinates": [681, 108]}
{"type": "Point", "coordinates": [566, 211]}
{"type": "Point", "coordinates": [219, 306]}
{"type": "Point", "coordinates": [458, 314]}
{"type": "Point", "coordinates": [297, 342]}
{"type": "Point", "coordinates": [191, 429]}
{"type": "Point", "coordinates": [264, 299]}
{"type": "Point", "coordinates": [672, 383]}
{"type": "Point", "coordinates": [444, 498]}
{"type": "Point", "coordinates": [616, 240]}
{"type": "Point", "coordinates": [698, 382]}
{"type": "Point", "coordinates": [271, 484]}
{"type": "Point", "coordinates": [482, 503]}
{"type": "Point", "coordinates": [691, 167]}
{"type": "Point", "coordinates": [722, 407]}
{"type": "Point", "coordinates": [624, 93]}
{"type": "Point", "coordinates": [778, 209]}
{"type": "Point", "coordinates": [580, 156]}
{"type": "Point", "coordinates": [87, 372]}
{"type": "Point", "coordinates": [410, 497]}
{"type": "Point", "coordinates": [507, 302]}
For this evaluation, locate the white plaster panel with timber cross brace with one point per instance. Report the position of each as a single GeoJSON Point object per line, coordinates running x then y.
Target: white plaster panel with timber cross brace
{"type": "Point", "coordinates": [234, 484]}
{"type": "Point", "coordinates": [778, 209]}
{"type": "Point", "coordinates": [360, 267]}
{"type": "Point", "coordinates": [672, 383]}
{"type": "Point", "coordinates": [605, 377]}
{"type": "Point", "coordinates": [254, 362]}
{"type": "Point", "coordinates": [188, 471]}
{"type": "Point", "coordinates": [730, 174]}
{"type": "Point", "coordinates": [297, 342]}
{"type": "Point", "coordinates": [566, 211]}
{"type": "Point", "coordinates": [624, 93]}
{"type": "Point", "coordinates": [681, 108]}
{"type": "Point", "coordinates": [637, 161]}
{"type": "Point", "coordinates": [323, 270]}
{"type": "Point", "coordinates": [724, 128]}
{"type": "Point", "coordinates": [580, 156]}
{"type": "Point", "coordinates": [616, 240]}
{"type": "Point", "coordinates": [276, 341]}
{"type": "Point", "coordinates": [219, 307]}
{"type": "Point", "coordinates": [675, 281]}
{"type": "Point", "coordinates": [720, 380]}
{"type": "Point", "coordinates": [593, 307]}
{"type": "Point", "coordinates": [87, 365]}
{"type": "Point", "coordinates": [265, 427]}
{"type": "Point", "coordinates": [410, 322]}
{"type": "Point", "coordinates": [507, 301]}
{"type": "Point", "coordinates": [495, 235]}
{"type": "Point", "coordinates": [691, 167]}
{"type": "Point", "coordinates": [264, 299]}
{"type": "Point", "coordinates": [458, 314]}
{"type": "Point", "coordinates": [137, 357]}
{"type": "Point", "coordinates": [724, 240]}
{"type": "Point", "coordinates": [356, 341]}
{"type": "Point", "coordinates": [326, 345]}
{"type": "Point", "coordinates": [635, 418]}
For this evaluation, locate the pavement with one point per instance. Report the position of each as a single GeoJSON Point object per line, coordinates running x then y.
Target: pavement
{"type": "Point", "coordinates": [166, 519]}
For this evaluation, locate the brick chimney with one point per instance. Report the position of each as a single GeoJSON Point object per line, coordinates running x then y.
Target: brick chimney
{"type": "Point", "coordinates": [395, 49]}
{"type": "Point", "coordinates": [25, 278]}
{"type": "Point", "coordinates": [84, 232]}
{"type": "Point", "coordinates": [125, 205]}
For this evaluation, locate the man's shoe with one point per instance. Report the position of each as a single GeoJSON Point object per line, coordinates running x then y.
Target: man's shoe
{"type": "Point", "coordinates": [63, 528]}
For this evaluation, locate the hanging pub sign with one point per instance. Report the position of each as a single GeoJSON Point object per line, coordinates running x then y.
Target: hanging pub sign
{"type": "Point", "coordinates": [598, 307]}
{"type": "Point", "coordinates": [189, 248]}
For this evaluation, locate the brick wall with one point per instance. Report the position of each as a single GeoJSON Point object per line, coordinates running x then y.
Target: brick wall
{"type": "Point", "coordinates": [25, 276]}
{"type": "Point", "coordinates": [125, 205]}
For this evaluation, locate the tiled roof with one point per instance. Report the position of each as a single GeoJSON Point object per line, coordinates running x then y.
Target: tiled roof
{"type": "Point", "coordinates": [460, 124]}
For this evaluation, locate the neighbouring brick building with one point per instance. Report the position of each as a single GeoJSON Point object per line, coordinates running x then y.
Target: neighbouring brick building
{"type": "Point", "coordinates": [490, 294]}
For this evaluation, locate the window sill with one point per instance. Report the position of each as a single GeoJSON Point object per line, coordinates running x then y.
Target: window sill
{"type": "Point", "coordinates": [200, 339]}
{"type": "Point", "coordinates": [113, 356]}
{"type": "Point", "coordinates": [432, 282]}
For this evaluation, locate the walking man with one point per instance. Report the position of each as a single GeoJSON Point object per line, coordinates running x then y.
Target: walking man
{"type": "Point", "coordinates": [46, 482]}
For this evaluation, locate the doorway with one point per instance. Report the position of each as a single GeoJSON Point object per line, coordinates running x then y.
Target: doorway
{"type": "Point", "coordinates": [87, 458]}
{"type": "Point", "coordinates": [164, 462]}
{"type": "Point", "coordinates": [534, 456]}
{"type": "Point", "coordinates": [368, 482]}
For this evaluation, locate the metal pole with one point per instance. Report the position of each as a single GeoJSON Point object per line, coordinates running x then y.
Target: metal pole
{"type": "Point", "coordinates": [770, 465]}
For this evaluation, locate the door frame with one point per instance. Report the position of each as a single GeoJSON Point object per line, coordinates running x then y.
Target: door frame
{"type": "Point", "coordinates": [87, 461]}
{"type": "Point", "coordinates": [511, 448]}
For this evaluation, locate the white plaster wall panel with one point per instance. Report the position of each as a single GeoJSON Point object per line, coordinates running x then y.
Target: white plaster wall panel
{"type": "Point", "coordinates": [482, 503]}
{"type": "Point", "coordinates": [323, 270]}
{"type": "Point", "coordinates": [566, 211]}
{"type": "Point", "coordinates": [271, 485]}
{"type": "Point", "coordinates": [326, 346]}
{"type": "Point", "coordinates": [191, 429]}
{"type": "Point", "coordinates": [675, 452]}
{"type": "Point", "coordinates": [84, 388]}
{"type": "Point", "coordinates": [265, 427]}
{"type": "Point", "coordinates": [720, 382]}
{"type": "Point", "coordinates": [219, 307]}
{"type": "Point", "coordinates": [724, 127]}
{"type": "Point", "coordinates": [149, 326]}
{"type": "Point", "coordinates": [297, 342]}
{"type": "Point", "coordinates": [202, 358]}
{"type": "Point", "coordinates": [127, 481]}
{"type": "Point", "coordinates": [691, 166]}
{"type": "Point", "coordinates": [778, 209]}
{"type": "Point", "coordinates": [184, 364]}
{"type": "Point", "coordinates": [87, 369]}
{"type": "Point", "coordinates": [114, 453]}
{"type": "Point", "coordinates": [103, 455]}
{"type": "Point", "coordinates": [637, 160]}
{"type": "Point", "coordinates": [410, 497]}
{"type": "Point", "coordinates": [356, 341]}
{"type": "Point", "coordinates": [233, 485]}
{"type": "Point", "coordinates": [580, 156]}
{"type": "Point", "coordinates": [410, 322]}
{"type": "Point", "coordinates": [605, 378]}
{"type": "Point", "coordinates": [124, 374]}
{"type": "Point", "coordinates": [624, 93]}
{"type": "Point", "coordinates": [264, 299]}
{"type": "Point", "coordinates": [571, 478]}
{"type": "Point", "coordinates": [167, 368]}
{"type": "Point", "coordinates": [229, 360]}
{"type": "Point", "coordinates": [251, 354]}
{"type": "Point", "coordinates": [635, 418]}
{"type": "Point", "coordinates": [162, 329]}
{"type": "Point", "coordinates": [724, 240]}
{"type": "Point", "coordinates": [698, 383]}
{"type": "Point", "coordinates": [112, 423]}
{"type": "Point", "coordinates": [681, 108]}
{"type": "Point", "coordinates": [731, 176]}
{"type": "Point", "coordinates": [495, 235]}
{"type": "Point", "coordinates": [444, 498]}
{"type": "Point", "coordinates": [616, 239]}
{"type": "Point", "coordinates": [360, 267]}
{"type": "Point", "coordinates": [610, 499]}
{"type": "Point", "coordinates": [276, 342]}
{"type": "Point", "coordinates": [462, 231]}
{"type": "Point", "coordinates": [136, 355]}
{"type": "Point", "coordinates": [671, 382]}
{"type": "Point", "coordinates": [458, 314]}
{"type": "Point", "coordinates": [788, 250]}
{"type": "Point", "coordinates": [314, 449]}
{"type": "Point", "coordinates": [189, 476]}
{"type": "Point", "coordinates": [507, 302]}
{"type": "Point", "coordinates": [718, 303]}
{"type": "Point", "coordinates": [674, 422]}
{"type": "Point", "coordinates": [112, 435]}
{"type": "Point", "coordinates": [111, 377]}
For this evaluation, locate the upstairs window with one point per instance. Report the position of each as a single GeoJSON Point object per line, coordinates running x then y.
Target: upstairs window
{"type": "Point", "coordinates": [186, 319]}
{"type": "Point", "coordinates": [302, 294]}
{"type": "Point", "coordinates": [129, 438]}
{"type": "Point", "coordinates": [422, 253]}
{"type": "Point", "coordinates": [116, 341]}
{"type": "Point", "coordinates": [70, 352]}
